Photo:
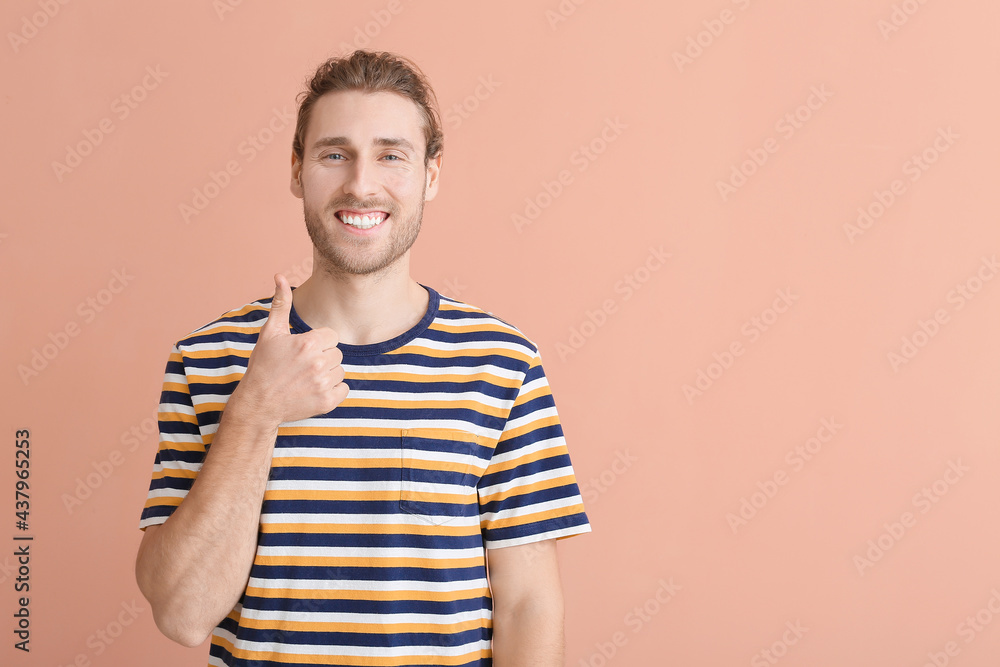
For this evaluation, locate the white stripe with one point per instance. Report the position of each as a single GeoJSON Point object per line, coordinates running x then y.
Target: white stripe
{"type": "Point", "coordinates": [531, 386]}
{"type": "Point", "coordinates": [429, 396]}
{"type": "Point", "coordinates": [330, 486]}
{"type": "Point", "coordinates": [180, 437]}
{"type": "Point", "coordinates": [216, 372]}
{"type": "Point", "coordinates": [429, 344]}
{"type": "Point", "coordinates": [327, 422]}
{"type": "Point", "coordinates": [213, 346]}
{"type": "Point", "coordinates": [354, 519]}
{"type": "Point", "coordinates": [474, 321]}
{"type": "Point", "coordinates": [528, 510]}
{"type": "Point", "coordinates": [542, 413]}
{"type": "Point", "coordinates": [176, 408]}
{"type": "Point", "coordinates": [410, 369]}
{"type": "Point", "coordinates": [166, 492]}
{"type": "Point", "coordinates": [373, 553]}
{"type": "Point", "coordinates": [393, 586]}
{"type": "Point", "coordinates": [357, 617]}
{"type": "Point", "coordinates": [529, 539]}
{"type": "Point", "coordinates": [348, 486]}
{"type": "Point", "coordinates": [529, 451]}
{"type": "Point", "coordinates": [527, 480]}
{"type": "Point", "coordinates": [361, 651]}
{"type": "Point", "coordinates": [201, 399]}
{"type": "Point", "coordinates": [219, 323]}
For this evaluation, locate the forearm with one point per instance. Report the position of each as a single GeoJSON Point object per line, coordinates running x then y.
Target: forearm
{"type": "Point", "coordinates": [194, 567]}
{"type": "Point", "coordinates": [530, 634]}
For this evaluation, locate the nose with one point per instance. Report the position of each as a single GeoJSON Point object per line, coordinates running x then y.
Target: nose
{"type": "Point", "coordinates": [361, 181]}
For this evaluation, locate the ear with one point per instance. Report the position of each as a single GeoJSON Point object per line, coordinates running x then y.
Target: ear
{"type": "Point", "coordinates": [433, 174]}
{"type": "Point", "coordinates": [296, 182]}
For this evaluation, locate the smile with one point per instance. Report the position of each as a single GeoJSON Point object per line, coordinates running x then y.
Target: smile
{"type": "Point", "coordinates": [362, 220]}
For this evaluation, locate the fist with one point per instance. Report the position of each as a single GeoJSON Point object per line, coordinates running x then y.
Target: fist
{"type": "Point", "coordinates": [291, 377]}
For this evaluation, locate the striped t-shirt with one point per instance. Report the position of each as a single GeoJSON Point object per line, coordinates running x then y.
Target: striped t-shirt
{"type": "Point", "coordinates": [376, 515]}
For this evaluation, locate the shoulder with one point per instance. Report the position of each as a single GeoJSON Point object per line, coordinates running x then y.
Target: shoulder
{"type": "Point", "coordinates": [472, 324]}
{"type": "Point", "coordinates": [236, 328]}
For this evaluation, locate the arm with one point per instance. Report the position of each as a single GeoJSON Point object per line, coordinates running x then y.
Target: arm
{"type": "Point", "coordinates": [194, 567]}
{"type": "Point", "coordinates": [527, 606]}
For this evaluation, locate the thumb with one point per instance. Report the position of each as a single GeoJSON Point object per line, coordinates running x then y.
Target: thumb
{"type": "Point", "coordinates": [281, 307]}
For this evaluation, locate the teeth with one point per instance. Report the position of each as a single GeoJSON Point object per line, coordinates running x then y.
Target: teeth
{"type": "Point", "coordinates": [363, 221]}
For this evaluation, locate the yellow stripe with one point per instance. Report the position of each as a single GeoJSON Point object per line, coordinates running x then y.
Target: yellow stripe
{"type": "Point", "coordinates": [529, 427]}
{"type": "Point", "coordinates": [371, 529]}
{"type": "Point", "coordinates": [168, 471]}
{"type": "Point", "coordinates": [181, 446]}
{"type": "Point", "coordinates": [163, 501]}
{"type": "Point", "coordinates": [214, 379]}
{"type": "Point", "coordinates": [525, 489]}
{"type": "Point", "coordinates": [365, 628]}
{"type": "Point", "coordinates": [361, 464]}
{"type": "Point", "coordinates": [353, 661]}
{"type": "Point", "coordinates": [216, 353]}
{"type": "Point", "coordinates": [177, 417]}
{"type": "Point", "coordinates": [531, 457]}
{"type": "Point", "coordinates": [384, 495]}
{"type": "Point", "coordinates": [375, 561]}
{"type": "Point", "coordinates": [536, 516]}
{"type": "Point", "coordinates": [382, 596]}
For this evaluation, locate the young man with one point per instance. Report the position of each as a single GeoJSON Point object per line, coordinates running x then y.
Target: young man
{"type": "Point", "coordinates": [339, 464]}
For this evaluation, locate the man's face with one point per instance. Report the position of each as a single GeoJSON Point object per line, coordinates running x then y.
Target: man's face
{"type": "Point", "coordinates": [363, 153]}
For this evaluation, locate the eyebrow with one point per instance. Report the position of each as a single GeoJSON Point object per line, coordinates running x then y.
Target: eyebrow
{"type": "Point", "coordinates": [389, 142]}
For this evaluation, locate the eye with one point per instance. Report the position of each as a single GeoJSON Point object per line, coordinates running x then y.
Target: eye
{"type": "Point", "coordinates": [331, 155]}
{"type": "Point", "coordinates": [397, 158]}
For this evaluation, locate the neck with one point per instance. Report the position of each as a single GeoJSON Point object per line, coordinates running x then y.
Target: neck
{"type": "Point", "coordinates": [362, 309]}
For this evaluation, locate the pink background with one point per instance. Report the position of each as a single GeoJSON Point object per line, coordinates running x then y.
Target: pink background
{"type": "Point", "coordinates": [523, 88]}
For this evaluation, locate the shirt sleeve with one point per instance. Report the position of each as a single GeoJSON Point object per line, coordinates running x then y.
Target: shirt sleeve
{"type": "Point", "coordinates": [528, 492]}
{"type": "Point", "coordinates": [181, 449]}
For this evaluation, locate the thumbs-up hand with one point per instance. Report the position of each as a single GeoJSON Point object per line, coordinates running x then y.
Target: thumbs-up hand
{"type": "Point", "coordinates": [291, 377]}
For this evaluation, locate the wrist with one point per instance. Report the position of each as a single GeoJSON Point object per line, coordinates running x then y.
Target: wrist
{"type": "Point", "coordinates": [251, 409]}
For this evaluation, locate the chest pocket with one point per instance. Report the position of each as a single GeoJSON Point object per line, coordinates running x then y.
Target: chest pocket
{"type": "Point", "coordinates": [440, 468]}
